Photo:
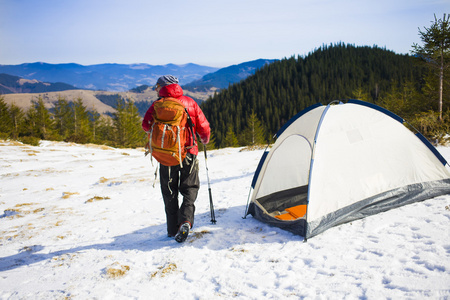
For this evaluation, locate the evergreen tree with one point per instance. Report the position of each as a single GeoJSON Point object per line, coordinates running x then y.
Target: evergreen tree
{"type": "Point", "coordinates": [212, 141]}
{"type": "Point", "coordinates": [63, 117]}
{"type": "Point", "coordinates": [81, 123]}
{"type": "Point", "coordinates": [230, 138]}
{"type": "Point", "coordinates": [360, 94]}
{"type": "Point", "coordinates": [95, 122]}
{"type": "Point", "coordinates": [17, 118]}
{"type": "Point", "coordinates": [119, 123]}
{"type": "Point", "coordinates": [430, 91]}
{"type": "Point", "coordinates": [104, 132]}
{"type": "Point", "coordinates": [403, 101]}
{"type": "Point", "coordinates": [5, 119]}
{"type": "Point", "coordinates": [39, 121]}
{"type": "Point", "coordinates": [254, 133]}
{"type": "Point", "coordinates": [127, 125]}
{"type": "Point", "coordinates": [436, 50]}
{"type": "Point", "coordinates": [136, 135]}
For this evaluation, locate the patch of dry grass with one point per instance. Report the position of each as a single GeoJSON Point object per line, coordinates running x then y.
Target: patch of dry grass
{"type": "Point", "coordinates": [97, 198]}
{"type": "Point", "coordinates": [165, 270]}
{"type": "Point", "coordinates": [20, 210]}
{"type": "Point", "coordinates": [35, 173]}
{"type": "Point", "coordinates": [27, 249]}
{"type": "Point", "coordinates": [102, 147]}
{"type": "Point", "coordinates": [253, 148]}
{"type": "Point", "coordinates": [197, 235]}
{"type": "Point", "coordinates": [31, 152]}
{"type": "Point", "coordinates": [25, 204]}
{"type": "Point", "coordinates": [63, 260]}
{"type": "Point", "coordinates": [11, 175]}
{"type": "Point", "coordinates": [8, 236]}
{"type": "Point", "coordinates": [103, 180]}
{"type": "Point", "coordinates": [238, 250]}
{"type": "Point", "coordinates": [10, 143]}
{"type": "Point", "coordinates": [22, 232]}
{"type": "Point", "coordinates": [111, 182]}
{"type": "Point", "coordinates": [67, 195]}
{"type": "Point", "coordinates": [116, 270]}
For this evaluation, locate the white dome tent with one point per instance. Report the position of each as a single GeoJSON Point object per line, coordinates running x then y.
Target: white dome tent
{"type": "Point", "coordinates": [337, 163]}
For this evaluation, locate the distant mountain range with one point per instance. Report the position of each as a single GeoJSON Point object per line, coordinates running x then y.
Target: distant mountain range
{"type": "Point", "coordinates": [224, 77]}
{"type": "Point", "coordinates": [10, 84]}
{"type": "Point", "coordinates": [123, 77]}
{"type": "Point", "coordinates": [22, 91]}
{"type": "Point", "coordinates": [110, 77]}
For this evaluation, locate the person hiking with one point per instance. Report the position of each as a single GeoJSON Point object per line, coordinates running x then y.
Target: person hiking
{"type": "Point", "coordinates": [182, 177]}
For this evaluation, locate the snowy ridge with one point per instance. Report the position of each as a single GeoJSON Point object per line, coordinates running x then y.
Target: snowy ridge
{"type": "Point", "coordinates": [83, 222]}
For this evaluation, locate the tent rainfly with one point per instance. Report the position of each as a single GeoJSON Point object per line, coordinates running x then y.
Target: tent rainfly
{"type": "Point", "coordinates": [341, 162]}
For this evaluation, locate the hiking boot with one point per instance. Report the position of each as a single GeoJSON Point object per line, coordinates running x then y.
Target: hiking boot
{"type": "Point", "coordinates": [183, 232]}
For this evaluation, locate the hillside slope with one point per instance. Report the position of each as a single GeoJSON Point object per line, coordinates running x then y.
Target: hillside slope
{"type": "Point", "coordinates": [101, 101]}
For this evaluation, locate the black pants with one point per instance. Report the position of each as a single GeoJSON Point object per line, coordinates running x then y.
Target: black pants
{"type": "Point", "coordinates": [185, 181]}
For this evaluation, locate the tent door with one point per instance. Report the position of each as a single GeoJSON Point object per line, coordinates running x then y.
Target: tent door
{"type": "Point", "coordinates": [285, 179]}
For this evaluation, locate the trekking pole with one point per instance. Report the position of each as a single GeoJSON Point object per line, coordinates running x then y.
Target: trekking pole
{"type": "Point", "coordinates": [211, 205]}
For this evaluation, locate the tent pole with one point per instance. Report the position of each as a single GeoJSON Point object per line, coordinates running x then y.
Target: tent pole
{"type": "Point", "coordinates": [246, 207]}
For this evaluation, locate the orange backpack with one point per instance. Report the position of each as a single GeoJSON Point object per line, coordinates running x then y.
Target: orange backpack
{"type": "Point", "coordinates": [167, 136]}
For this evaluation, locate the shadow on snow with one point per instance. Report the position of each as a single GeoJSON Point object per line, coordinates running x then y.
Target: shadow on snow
{"type": "Point", "coordinates": [230, 231]}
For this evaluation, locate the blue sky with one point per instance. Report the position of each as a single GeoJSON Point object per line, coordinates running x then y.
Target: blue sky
{"type": "Point", "coordinates": [206, 32]}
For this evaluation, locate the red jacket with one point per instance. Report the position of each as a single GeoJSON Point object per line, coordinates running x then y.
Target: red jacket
{"type": "Point", "coordinates": [201, 124]}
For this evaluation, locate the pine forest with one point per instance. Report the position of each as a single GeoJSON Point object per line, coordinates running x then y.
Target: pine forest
{"type": "Point", "coordinates": [335, 72]}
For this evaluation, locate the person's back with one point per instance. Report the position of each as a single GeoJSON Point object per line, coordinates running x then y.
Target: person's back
{"type": "Point", "coordinates": [201, 124]}
{"type": "Point", "coordinates": [180, 178]}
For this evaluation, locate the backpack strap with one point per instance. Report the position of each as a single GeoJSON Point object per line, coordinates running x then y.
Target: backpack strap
{"type": "Point", "coordinates": [179, 146]}
{"type": "Point", "coordinates": [150, 143]}
{"type": "Point", "coordinates": [191, 129]}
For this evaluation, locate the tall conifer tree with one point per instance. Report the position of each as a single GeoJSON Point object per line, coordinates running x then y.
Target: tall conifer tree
{"type": "Point", "coordinates": [435, 50]}
{"type": "Point", "coordinates": [230, 138]}
{"type": "Point", "coordinates": [127, 125]}
{"type": "Point", "coordinates": [17, 118]}
{"type": "Point", "coordinates": [39, 121]}
{"type": "Point", "coordinates": [63, 117]}
{"type": "Point", "coordinates": [82, 129]}
{"type": "Point", "coordinates": [5, 119]}
{"type": "Point", "coordinates": [254, 133]}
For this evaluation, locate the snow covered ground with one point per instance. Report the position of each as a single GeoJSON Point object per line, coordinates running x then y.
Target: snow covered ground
{"type": "Point", "coordinates": [84, 222]}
